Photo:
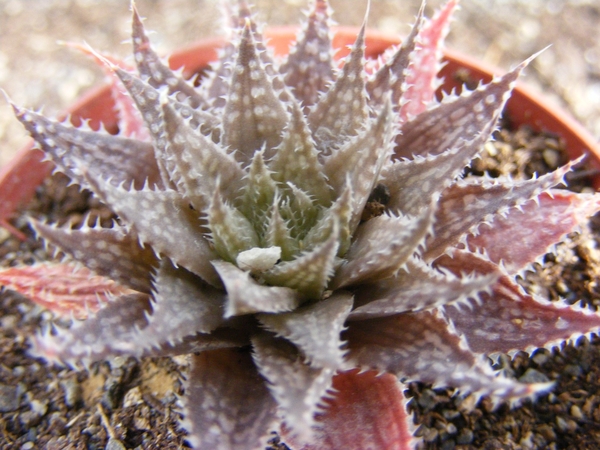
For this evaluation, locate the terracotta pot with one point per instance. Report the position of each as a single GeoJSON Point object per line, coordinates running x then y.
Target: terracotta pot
{"type": "Point", "coordinates": [20, 178]}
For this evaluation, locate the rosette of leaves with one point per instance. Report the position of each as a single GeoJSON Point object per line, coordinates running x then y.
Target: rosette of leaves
{"type": "Point", "coordinates": [302, 230]}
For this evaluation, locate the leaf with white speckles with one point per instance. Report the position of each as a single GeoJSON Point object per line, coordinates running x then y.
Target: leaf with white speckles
{"type": "Point", "coordinates": [508, 319]}
{"type": "Point", "coordinates": [423, 346]}
{"type": "Point", "coordinates": [315, 329]}
{"type": "Point", "coordinates": [391, 75]}
{"type": "Point", "coordinates": [158, 73]}
{"type": "Point", "coordinates": [342, 110]}
{"type": "Point", "coordinates": [296, 160]}
{"type": "Point", "coordinates": [164, 220]}
{"type": "Point", "coordinates": [227, 405]}
{"type": "Point", "coordinates": [297, 387]}
{"type": "Point", "coordinates": [381, 246]}
{"type": "Point", "coordinates": [310, 272]}
{"type": "Point", "coordinates": [245, 295]}
{"type": "Point", "coordinates": [105, 334]}
{"type": "Point", "coordinates": [366, 411]}
{"type": "Point", "coordinates": [466, 205]}
{"type": "Point", "coordinates": [359, 161]}
{"type": "Point", "coordinates": [230, 231]}
{"type": "Point", "coordinates": [76, 151]}
{"type": "Point", "coordinates": [177, 290]}
{"type": "Point", "coordinates": [111, 252]}
{"type": "Point", "coordinates": [253, 115]}
{"type": "Point", "coordinates": [201, 165]}
{"type": "Point", "coordinates": [416, 287]}
{"type": "Point", "coordinates": [534, 230]}
{"type": "Point", "coordinates": [421, 79]}
{"type": "Point", "coordinates": [470, 117]}
{"type": "Point", "coordinates": [308, 68]}
{"type": "Point", "coordinates": [414, 184]}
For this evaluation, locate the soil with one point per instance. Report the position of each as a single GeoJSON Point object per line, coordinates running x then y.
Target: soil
{"type": "Point", "coordinates": [133, 404]}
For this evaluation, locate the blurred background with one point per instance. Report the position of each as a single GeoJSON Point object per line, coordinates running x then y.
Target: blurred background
{"type": "Point", "coordinates": [37, 72]}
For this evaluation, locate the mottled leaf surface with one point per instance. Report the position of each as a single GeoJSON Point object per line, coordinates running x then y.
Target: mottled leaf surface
{"type": "Point", "coordinates": [296, 386]}
{"type": "Point", "coordinates": [508, 319]}
{"type": "Point", "coordinates": [106, 334]}
{"type": "Point", "coordinates": [164, 220]}
{"type": "Point", "coordinates": [110, 252]}
{"type": "Point", "coordinates": [315, 329]}
{"type": "Point", "coordinates": [308, 68]}
{"type": "Point", "coordinates": [76, 151]}
{"type": "Point", "coordinates": [227, 405]}
{"type": "Point", "coordinates": [416, 287]}
{"type": "Point", "coordinates": [534, 229]}
{"type": "Point", "coordinates": [246, 296]}
{"type": "Point", "coordinates": [423, 346]}
{"type": "Point", "coordinates": [466, 205]}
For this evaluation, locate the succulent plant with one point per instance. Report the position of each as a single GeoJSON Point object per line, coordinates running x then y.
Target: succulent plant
{"type": "Point", "coordinates": [302, 229]}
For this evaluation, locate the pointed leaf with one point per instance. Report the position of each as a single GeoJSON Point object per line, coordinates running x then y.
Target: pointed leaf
{"type": "Point", "coordinates": [507, 319]}
{"type": "Point", "coordinates": [64, 288]}
{"type": "Point", "coordinates": [231, 231]}
{"type": "Point", "coordinates": [414, 184]}
{"type": "Point", "coordinates": [421, 79]}
{"type": "Point", "coordinates": [245, 296]}
{"type": "Point", "coordinates": [279, 235]}
{"type": "Point", "coordinates": [361, 159]}
{"type": "Point", "coordinates": [342, 110]}
{"type": "Point", "coordinates": [423, 346]}
{"type": "Point", "coordinates": [253, 116]}
{"type": "Point", "coordinates": [258, 194]}
{"type": "Point", "coordinates": [200, 164]}
{"type": "Point", "coordinates": [341, 213]}
{"type": "Point", "coordinates": [129, 161]}
{"type": "Point", "coordinates": [110, 252]}
{"type": "Point", "coordinates": [130, 122]}
{"type": "Point", "coordinates": [457, 121]}
{"type": "Point", "coordinates": [391, 76]}
{"type": "Point", "coordinates": [310, 272]}
{"type": "Point", "coordinates": [381, 246]}
{"type": "Point", "coordinates": [159, 74]}
{"type": "Point", "coordinates": [164, 220]}
{"type": "Point", "coordinates": [184, 305]}
{"type": "Point", "coordinates": [416, 288]}
{"type": "Point", "coordinates": [465, 205]}
{"type": "Point", "coordinates": [315, 329]}
{"type": "Point", "coordinates": [308, 68]}
{"type": "Point", "coordinates": [227, 405]}
{"type": "Point", "coordinates": [534, 229]}
{"type": "Point", "coordinates": [106, 334]}
{"type": "Point", "coordinates": [296, 160]}
{"type": "Point", "coordinates": [297, 387]}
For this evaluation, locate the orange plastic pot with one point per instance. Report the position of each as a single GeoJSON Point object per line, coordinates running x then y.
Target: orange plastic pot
{"type": "Point", "coordinates": [20, 178]}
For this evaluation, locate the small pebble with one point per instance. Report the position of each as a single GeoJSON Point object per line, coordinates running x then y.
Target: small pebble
{"type": "Point", "coordinates": [465, 437]}
{"type": "Point", "coordinates": [576, 412]}
{"type": "Point", "coordinates": [533, 376]}
{"type": "Point", "coordinates": [9, 400]}
{"type": "Point", "coordinates": [114, 444]}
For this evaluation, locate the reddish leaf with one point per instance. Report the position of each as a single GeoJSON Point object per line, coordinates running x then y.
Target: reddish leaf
{"type": "Point", "coordinates": [366, 412]}
{"type": "Point", "coordinates": [421, 81]}
{"type": "Point", "coordinates": [508, 319]}
{"type": "Point", "coordinates": [65, 289]}
{"type": "Point", "coordinates": [533, 230]}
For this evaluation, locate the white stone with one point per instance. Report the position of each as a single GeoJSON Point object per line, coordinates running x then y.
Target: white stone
{"type": "Point", "coordinates": [258, 259]}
